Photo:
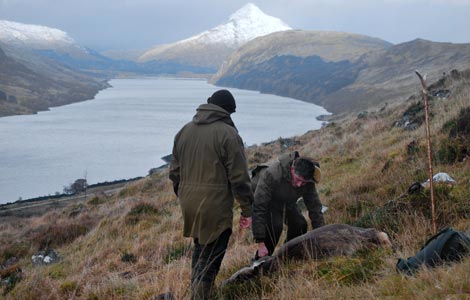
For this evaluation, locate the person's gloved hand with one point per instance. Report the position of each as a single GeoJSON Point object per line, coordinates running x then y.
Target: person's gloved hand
{"type": "Point", "coordinates": [262, 250]}
{"type": "Point", "coordinates": [245, 222]}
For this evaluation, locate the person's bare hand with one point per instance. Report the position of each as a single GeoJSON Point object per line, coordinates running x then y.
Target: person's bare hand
{"type": "Point", "coordinates": [245, 222]}
{"type": "Point", "coordinates": [262, 250]}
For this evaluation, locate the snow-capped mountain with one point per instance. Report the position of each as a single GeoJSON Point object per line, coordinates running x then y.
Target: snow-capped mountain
{"type": "Point", "coordinates": [244, 25]}
{"type": "Point", "coordinates": [211, 47]}
{"type": "Point", "coordinates": [31, 43]}
{"type": "Point", "coordinates": [35, 36]}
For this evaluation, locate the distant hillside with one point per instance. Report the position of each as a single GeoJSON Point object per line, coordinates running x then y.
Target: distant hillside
{"type": "Point", "coordinates": [37, 83]}
{"type": "Point", "coordinates": [42, 67]}
{"type": "Point", "coordinates": [331, 46]}
{"type": "Point", "coordinates": [131, 55]}
{"type": "Point", "coordinates": [22, 39]}
{"type": "Point", "coordinates": [339, 71]}
{"type": "Point", "coordinates": [306, 65]}
{"type": "Point", "coordinates": [389, 74]}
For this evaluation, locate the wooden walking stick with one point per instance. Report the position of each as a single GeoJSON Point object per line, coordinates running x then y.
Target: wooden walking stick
{"type": "Point", "coordinates": [428, 138]}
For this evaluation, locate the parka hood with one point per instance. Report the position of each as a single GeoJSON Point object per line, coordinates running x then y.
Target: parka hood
{"type": "Point", "coordinates": [210, 113]}
{"type": "Point", "coordinates": [286, 162]}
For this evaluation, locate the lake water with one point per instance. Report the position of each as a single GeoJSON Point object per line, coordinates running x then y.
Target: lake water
{"type": "Point", "coordinates": [125, 131]}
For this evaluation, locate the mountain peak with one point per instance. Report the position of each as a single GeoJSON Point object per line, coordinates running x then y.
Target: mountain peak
{"type": "Point", "coordinates": [211, 47]}
{"type": "Point", "coordinates": [33, 35]}
{"type": "Point", "coordinates": [248, 11]}
{"type": "Point", "coordinates": [245, 24]}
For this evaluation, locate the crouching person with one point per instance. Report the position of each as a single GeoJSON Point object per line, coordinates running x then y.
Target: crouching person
{"type": "Point", "coordinates": [277, 188]}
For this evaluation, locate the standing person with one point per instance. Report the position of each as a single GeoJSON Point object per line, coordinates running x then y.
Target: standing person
{"type": "Point", "coordinates": [209, 170]}
{"type": "Point", "coordinates": [278, 186]}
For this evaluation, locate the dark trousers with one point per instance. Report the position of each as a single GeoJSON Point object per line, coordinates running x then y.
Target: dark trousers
{"type": "Point", "coordinates": [296, 226]}
{"type": "Point", "coordinates": [206, 261]}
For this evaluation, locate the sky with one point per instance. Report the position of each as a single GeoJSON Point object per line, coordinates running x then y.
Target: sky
{"type": "Point", "coordinates": [142, 24]}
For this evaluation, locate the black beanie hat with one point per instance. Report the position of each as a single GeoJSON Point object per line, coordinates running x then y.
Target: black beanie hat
{"type": "Point", "coordinates": [224, 99]}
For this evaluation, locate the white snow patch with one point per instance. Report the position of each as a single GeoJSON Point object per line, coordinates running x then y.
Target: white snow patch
{"type": "Point", "coordinates": [13, 32]}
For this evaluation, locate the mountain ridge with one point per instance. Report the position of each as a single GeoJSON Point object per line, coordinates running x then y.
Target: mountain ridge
{"type": "Point", "coordinates": [372, 76]}
{"type": "Point", "coordinates": [38, 37]}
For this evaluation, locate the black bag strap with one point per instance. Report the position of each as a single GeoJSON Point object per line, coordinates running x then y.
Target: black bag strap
{"type": "Point", "coordinates": [464, 239]}
{"type": "Point", "coordinates": [443, 231]}
{"type": "Point", "coordinates": [257, 170]}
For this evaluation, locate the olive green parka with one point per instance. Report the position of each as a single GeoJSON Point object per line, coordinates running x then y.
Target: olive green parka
{"type": "Point", "coordinates": [274, 191]}
{"type": "Point", "coordinates": [209, 170]}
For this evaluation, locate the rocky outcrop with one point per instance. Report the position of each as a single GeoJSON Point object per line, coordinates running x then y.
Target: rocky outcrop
{"type": "Point", "coordinates": [45, 257]}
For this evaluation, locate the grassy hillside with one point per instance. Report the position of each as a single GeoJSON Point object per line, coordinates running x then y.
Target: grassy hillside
{"type": "Point", "coordinates": [38, 83]}
{"type": "Point", "coordinates": [130, 246]}
{"type": "Point", "coordinates": [390, 73]}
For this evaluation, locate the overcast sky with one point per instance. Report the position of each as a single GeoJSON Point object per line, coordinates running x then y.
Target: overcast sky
{"type": "Point", "coordinates": [141, 24]}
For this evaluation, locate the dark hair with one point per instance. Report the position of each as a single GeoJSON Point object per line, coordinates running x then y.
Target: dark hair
{"type": "Point", "coordinates": [305, 167]}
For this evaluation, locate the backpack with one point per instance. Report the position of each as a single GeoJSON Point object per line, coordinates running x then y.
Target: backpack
{"type": "Point", "coordinates": [256, 174]}
{"type": "Point", "coordinates": [448, 245]}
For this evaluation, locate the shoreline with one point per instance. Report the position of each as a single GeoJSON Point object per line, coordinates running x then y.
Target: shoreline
{"type": "Point", "coordinates": [4, 206]}
{"type": "Point", "coordinates": [166, 159]}
{"type": "Point", "coordinates": [26, 109]}
{"type": "Point", "coordinates": [104, 85]}
{"type": "Point", "coordinates": [202, 77]}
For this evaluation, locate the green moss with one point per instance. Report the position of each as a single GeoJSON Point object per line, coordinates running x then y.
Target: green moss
{"type": "Point", "coordinates": [250, 289]}
{"type": "Point", "coordinates": [57, 271]}
{"type": "Point", "coordinates": [16, 249]}
{"type": "Point", "coordinates": [145, 211]}
{"type": "Point", "coordinates": [457, 146]}
{"type": "Point", "coordinates": [120, 290]}
{"type": "Point", "coordinates": [10, 279]}
{"type": "Point", "coordinates": [97, 200]}
{"type": "Point", "coordinates": [387, 217]}
{"type": "Point", "coordinates": [68, 287]}
{"type": "Point", "coordinates": [144, 208]}
{"type": "Point", "coordinates": [92, 296]}
{"type": "Point", "coordinates": [448, 151]}
{"type": "Point", "coordinates": [351, 270]}
{"type": "Point", "coordinates": [459, 125]}
{"type": "Point", "coordinates": [177, 251]}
